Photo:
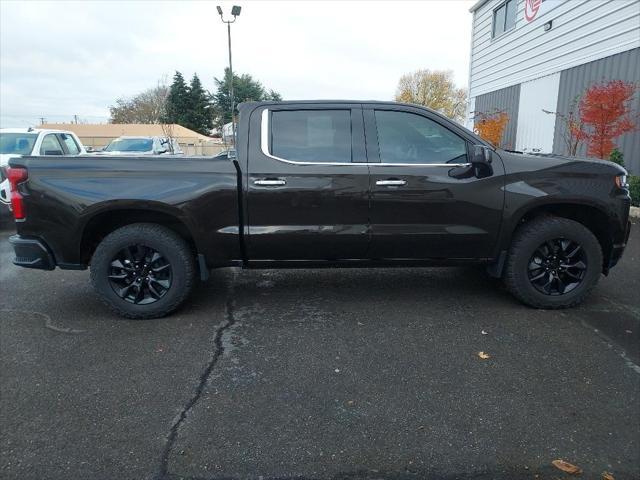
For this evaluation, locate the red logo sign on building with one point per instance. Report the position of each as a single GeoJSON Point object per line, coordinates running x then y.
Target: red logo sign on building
{"type": "Point", "coordinates": [531, 8]}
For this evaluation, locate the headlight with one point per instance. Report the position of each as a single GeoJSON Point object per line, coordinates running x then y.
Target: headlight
{"type": "Point", "coordinates": [621, 181]}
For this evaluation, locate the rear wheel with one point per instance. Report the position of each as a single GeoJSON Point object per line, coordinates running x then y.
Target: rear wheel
{"type": "Point", "coordinates": [553, 263]}
{"type": "Point", "coordinates": [143, 270]}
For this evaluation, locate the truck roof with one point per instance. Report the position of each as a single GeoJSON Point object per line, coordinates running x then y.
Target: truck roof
{"type": "Point", "coordinates": [334, 102]}
{"type": "Point", "coordinates": [295, 102]}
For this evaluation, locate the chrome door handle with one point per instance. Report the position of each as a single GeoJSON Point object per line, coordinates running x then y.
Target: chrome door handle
{"type": "Point", "coordinates": [270, 182]}
{"type": "Point", "coordinates": [390, 183]}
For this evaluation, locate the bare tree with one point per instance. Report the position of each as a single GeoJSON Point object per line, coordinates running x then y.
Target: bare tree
{"type": "Point", "coordinates": [433, 89]}
{"type": "Point", "coordinates": [146, 107]}
{"type": "Point", "coordinates": [571, 127]}
{"type": "Point", "coordinates": [167, 132]}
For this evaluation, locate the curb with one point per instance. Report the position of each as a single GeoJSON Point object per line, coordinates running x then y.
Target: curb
{"type": "Point", "coordinates": [634, 212]}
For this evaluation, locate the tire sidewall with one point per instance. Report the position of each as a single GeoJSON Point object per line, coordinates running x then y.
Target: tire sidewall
{"type": "Point", "coordinates": [164, 245]}
{"type": "Point", "coordinates": [550, 231]}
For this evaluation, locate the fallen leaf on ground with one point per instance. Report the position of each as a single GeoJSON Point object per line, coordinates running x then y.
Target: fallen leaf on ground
{"type": "Point", "coordinates": [567, 467]}
{"type": "Point", "coordinates": [484, 332]}
{"type": "Point", "coordinates": [607, 476]}
{"type": "Point", "coordinates": [483, 355]}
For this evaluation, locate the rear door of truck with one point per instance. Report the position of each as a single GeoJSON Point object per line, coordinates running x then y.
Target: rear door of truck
{"type": "Point", "coordinates": [307, 183]}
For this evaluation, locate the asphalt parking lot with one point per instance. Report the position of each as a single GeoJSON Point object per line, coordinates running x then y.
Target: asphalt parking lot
{"type": "Point", "coordinates": [319, 374]}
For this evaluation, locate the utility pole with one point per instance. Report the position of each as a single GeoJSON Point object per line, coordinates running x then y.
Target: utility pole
{"type": "Point", "coordinates": [75, 119]}
{"type": "Point", "coordinates": [42, 119]}
{"type": "Point", "coordinates": [235, 11]}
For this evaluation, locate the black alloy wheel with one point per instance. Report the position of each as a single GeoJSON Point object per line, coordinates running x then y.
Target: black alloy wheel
{"type": "Point", "coordinates": [140, 274]}
{"type": "Point", "coordinates": [557, 266]}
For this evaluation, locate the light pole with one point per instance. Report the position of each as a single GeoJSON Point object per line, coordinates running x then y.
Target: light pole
{"type": "Point", "coordinates": [235, 11]}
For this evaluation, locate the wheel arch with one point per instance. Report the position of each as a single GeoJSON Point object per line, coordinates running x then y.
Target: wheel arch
{"type": "Point", "coordinates": [591, 216]}
{"type": "Point", "coordinates": [104, 221]}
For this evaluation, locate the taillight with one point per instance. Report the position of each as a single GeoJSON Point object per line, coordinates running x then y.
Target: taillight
{"type": "Point", "coordinates": [17, 175]}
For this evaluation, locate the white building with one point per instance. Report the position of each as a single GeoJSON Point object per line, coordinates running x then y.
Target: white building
{"type": "Point", "coordinates": [533, 55]}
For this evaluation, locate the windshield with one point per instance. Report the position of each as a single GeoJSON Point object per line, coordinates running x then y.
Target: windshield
{"type": "Point", "coordinates": [130, 145]}
{"type": "Point", "coordinates": [17, 143]}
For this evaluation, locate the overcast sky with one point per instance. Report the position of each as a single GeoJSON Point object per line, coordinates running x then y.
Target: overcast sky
{"type": "Point", "coordinates": [58, 58]}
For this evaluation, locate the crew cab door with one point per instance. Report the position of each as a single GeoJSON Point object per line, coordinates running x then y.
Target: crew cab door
{"type": "Point", "coordinates": [427, 200]}
{"type": "Point", "coordinates": [307, 183]}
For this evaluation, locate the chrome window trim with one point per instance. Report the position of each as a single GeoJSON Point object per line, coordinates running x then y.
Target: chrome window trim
{"type": "Point", "coordinates": [264, 145]}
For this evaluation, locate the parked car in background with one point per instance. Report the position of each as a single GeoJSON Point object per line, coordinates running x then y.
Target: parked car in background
{"type": "Point", "coordinates": [15, 142]}
{"type": "Point", "coordinates": [142, 146]}
{"type": "Point", "coordinates": [226, 155]}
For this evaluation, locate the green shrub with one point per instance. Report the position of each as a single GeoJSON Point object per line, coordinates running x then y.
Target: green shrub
{"type": "Point", "coordinates": [617, 157]}
{"type": "Point", "coordinates": [634, 188]}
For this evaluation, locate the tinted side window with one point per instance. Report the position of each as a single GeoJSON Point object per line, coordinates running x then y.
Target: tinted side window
{"type": "Point", "coordinates": [51, 146]}
{"type": "Point", "coordinates": [409, 138]}
{"type": "Point", "coordinates": [71, 144]}
{"type": "Point", "coordinates": [311, 135]}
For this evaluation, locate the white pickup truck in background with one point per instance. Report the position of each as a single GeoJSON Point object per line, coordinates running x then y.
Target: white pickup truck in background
{"type": "Point", "coordinates": [15, 142]}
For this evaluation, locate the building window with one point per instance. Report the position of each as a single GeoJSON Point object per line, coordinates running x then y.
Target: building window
{"type": "Point", "coordinates": [504, 18]}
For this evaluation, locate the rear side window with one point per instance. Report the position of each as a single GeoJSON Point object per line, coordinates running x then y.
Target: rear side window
{"type": "Point", "coordinates": [17, 143]}
{"type": "Point", "coordinates": [405, 137]}
{"type": "Point", "coordinates": [311, 135]}
{"type": "Point", "coordinates": [51, 146]}
{"type": "Point", "coordinates": [71, 144]}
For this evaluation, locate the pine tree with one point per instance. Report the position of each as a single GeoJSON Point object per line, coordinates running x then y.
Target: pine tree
{"type": "Point", "coordinates": [198, 116]}
{"type": "Point", "coordinates": [245, 88]}
{"type": "Point", "coordinates": [177, 104]}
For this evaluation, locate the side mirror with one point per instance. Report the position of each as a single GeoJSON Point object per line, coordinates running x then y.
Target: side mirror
{"type": "Point", "coordinates": [482, 154]}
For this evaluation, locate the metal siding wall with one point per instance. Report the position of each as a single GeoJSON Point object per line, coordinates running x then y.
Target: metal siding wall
{"type": "Point", "coordinates": [583, 31]}
{"type": "Point", "coordinates": [535, 127]}
{"type": "Point", "coordinates": [507, 100]}
{"type": "Point", "coordinates": [574, 81]}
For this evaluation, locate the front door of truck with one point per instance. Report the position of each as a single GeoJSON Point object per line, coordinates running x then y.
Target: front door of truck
{"type": "Point", "coordinates": [427, 201]}
{"type": "Point", "coordinates": [307, 183]}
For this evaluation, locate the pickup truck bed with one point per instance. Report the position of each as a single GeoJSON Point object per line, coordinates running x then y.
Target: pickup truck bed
{"type": "Point", "coordinates": [324, 184]}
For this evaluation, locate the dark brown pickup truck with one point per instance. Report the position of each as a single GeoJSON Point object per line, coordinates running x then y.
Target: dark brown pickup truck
{"type": "Point", "coordinates": [323, 184]}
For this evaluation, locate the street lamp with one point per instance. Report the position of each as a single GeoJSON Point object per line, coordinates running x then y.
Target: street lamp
{"type": "Point", "coordinates": [235, 11]}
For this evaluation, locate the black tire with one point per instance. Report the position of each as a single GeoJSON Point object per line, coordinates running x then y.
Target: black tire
{"type": "Point", "coordinates": [520, 269]}
{"type": "Point", "coordinates": [143, 237]}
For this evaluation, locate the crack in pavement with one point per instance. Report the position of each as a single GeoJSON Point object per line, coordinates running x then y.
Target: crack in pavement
{"type": "Point", "coordinates": [48, 322]}
{"type": "Point", "coordinates": [162, 472]}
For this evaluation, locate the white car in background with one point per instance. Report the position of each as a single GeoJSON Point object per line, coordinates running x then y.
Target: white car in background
{"type": "Point", "coordinates": [141, 146]}
{"type": "Point", "coordinates": [16, 142]}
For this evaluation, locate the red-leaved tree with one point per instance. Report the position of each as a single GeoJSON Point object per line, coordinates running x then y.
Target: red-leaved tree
{"type": "Point", "coordinates": [606, 112]}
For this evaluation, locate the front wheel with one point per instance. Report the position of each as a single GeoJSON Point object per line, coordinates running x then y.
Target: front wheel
{"type": "Point", "coordinates": [143, 270]}
{"type": "Point", "coordinates": [553, 263]}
